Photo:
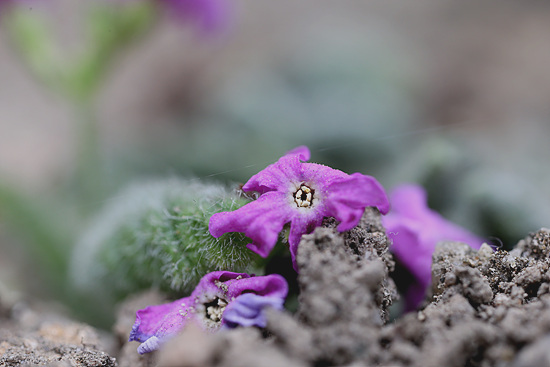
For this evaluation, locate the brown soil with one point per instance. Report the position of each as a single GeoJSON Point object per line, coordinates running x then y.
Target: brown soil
{"type": "Point", "coordinates": [37, 337]}
{"type": "Point", "coordinates": [487, 309]}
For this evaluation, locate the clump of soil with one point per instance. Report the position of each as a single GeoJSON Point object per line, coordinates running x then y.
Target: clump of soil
{"type": "Point", "coordinates": [486, 309]}
{"type": "Point", "coordinates": [345, 291]}
{"type": "Point", "coordinates": [34, 336]}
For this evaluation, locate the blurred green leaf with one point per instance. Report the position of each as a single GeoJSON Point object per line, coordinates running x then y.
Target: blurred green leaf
{"type": "Point", "coordinates": [36, 45]}
{"type": "Point", "coordinates": [109, 28]}
{"type": "Point", "coordinates": [48, 235]}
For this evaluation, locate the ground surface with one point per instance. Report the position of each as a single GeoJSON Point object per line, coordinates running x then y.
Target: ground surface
{"type": "Point", "coordinates": [36, 337]}
{"type": "Point", "coordinates": [488, 309]}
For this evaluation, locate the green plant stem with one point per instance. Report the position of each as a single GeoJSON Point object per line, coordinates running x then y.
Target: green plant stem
{"type": "Point", "coordinates": [90, 177]}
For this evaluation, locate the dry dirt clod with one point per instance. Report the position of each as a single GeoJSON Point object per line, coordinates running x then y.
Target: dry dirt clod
{"type": "Point", "coordinates": [488, 309]}
{"type": "Point", "coordinates": [345, 289]}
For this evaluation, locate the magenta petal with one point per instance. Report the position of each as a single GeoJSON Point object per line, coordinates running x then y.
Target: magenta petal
{"type": "Point", "coordinates": [414, 254]}
{"type": "Point", "coordinates": [160, 322]}
{"type": "Point", "coordinates": [348, 198]}
{"type": "Point", "coordinates": [272, 285]}
{"type": "Point", "coordinates": [298, 228]}
{"type": "Point", "coordinates": [414, 296]}
{"type": "Point", "coordinates": [409, 203]}
{"type": "Point", "coordinates": [302, 152]}
{"type": "Point", "coordinates": [210, 284]}
{"type": "Point", "coordinates": [276, 176]}
{"type": "Point", "coordinates": [261, 221]}
{"type": "Point", "coordinates": [321, 176]}
{"type": "Point", "coordinates": [415, 230]}
{"type": "Point", "coordinates": [409, 200]}
{"type": "Point", "coordinates": [449, 231]}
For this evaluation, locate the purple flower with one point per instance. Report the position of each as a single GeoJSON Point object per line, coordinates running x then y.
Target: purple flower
{"type": "Point", "coordinates": [210, 15]}
{"type": "Point", "coordinates": [301, 194]}
{"type": "Point", "coordinates": [207, 305]}
{"type": "Point", "coordinates": [415, 230]}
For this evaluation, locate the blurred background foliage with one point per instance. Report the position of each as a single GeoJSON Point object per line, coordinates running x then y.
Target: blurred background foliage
{"type": "Point", "coordinates": [97, 95]}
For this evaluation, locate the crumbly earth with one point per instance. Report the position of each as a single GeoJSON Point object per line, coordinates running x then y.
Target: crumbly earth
{"type": "Point", "coordinates": [486, 309]}
{"type": "Point", "coordinates": [33, 336]}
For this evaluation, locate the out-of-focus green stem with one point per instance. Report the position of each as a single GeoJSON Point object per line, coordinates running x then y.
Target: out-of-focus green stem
{"type": "Point", "coordinates": [109, 27]}
{"type": "Point", "coordinates": [90, 176]}
{"type": "Point", "coordinates": [41, 229]}
{"type": "Point", "coordinates": [36, 46]}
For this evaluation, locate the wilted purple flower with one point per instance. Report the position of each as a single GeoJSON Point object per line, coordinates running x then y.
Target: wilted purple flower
{"type": "Point", "coordinates": [301, 194]}
{"type": "Point", "coordinates": [207, 305]}
{"type": "Point", "coordinates": [415, 230]}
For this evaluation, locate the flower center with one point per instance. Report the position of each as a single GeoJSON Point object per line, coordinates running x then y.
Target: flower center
{"type": "Point", "coordinates": [303, 196]}
{"type": "Point", "coordinates": [214, 310]}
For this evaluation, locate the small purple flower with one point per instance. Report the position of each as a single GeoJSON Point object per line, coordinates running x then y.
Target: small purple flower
{"type": "Point", "coordinates": [415, 230]}
{"type": "Point", "coordinates": [208, 304]}
{"type": "Point", "coordinates": [301, 194]}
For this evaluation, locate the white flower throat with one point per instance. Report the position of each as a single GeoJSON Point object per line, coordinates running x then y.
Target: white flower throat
{"type": "Point", "coordinates": [303, 196]}
{"type": "Point", "coordinates": [214, 310]}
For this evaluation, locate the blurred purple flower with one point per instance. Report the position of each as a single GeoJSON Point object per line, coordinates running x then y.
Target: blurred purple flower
{"type": "Point", "coordinates": [207, 305]}
{"type": "Point", "coordinates": [5, 2]}
{"type": "Point", "coordinates": [29, 3]}
{"type": "Point", "coordinates": [210, 15]}
{"type": "Point", "coordinates": [301, 194]}
{"type": "Point", "coordinates": [415, 230]}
